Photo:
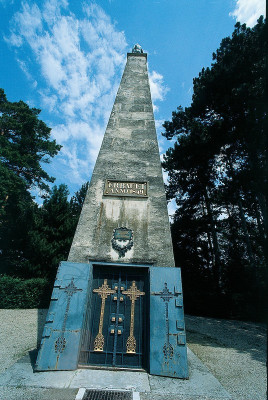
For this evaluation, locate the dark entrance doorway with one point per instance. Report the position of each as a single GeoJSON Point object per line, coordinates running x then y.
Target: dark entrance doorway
{"type": "Point", "coordinates": [115, 327]}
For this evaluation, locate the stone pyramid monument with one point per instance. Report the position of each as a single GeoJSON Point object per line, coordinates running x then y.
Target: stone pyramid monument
{"type": "Point", "coordinates": [117, 301]}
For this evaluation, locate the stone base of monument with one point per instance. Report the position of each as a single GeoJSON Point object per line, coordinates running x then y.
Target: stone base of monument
{"type": "Point", "coordinates": [201, 385]}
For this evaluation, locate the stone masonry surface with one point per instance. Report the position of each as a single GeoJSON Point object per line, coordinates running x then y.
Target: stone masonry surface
{"type": "Point", "coordinates": [129, 152]}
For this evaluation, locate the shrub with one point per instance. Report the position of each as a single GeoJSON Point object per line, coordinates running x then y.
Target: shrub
{"type": "Point", "coordinates": [20, 293]}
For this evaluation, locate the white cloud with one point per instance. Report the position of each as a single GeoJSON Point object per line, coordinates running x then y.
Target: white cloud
{"type": "Point", "coordinates": [161, 140]}
{"type": "Point", "coordinates": [158, 88]}
{"type": "Point", "coordinates": [24, 68]}
{"type": "Point", "coordinates": [52, 10]}
{"type": "Point", "coordinates": [248, 11]}
{"type": "Point", "coordinates": [15, 40]}
{"type": "Point", "coordinates": [81, 60]}
{"type": "Point", "coordinates": [75, 164]}
{"type": "Point", "coordinates": [77, 64]}
{"type": "Point", "coordinates": [172, 207]}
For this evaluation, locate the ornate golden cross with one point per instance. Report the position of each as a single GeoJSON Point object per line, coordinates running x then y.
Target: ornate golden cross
{"type": "Point", "coordinates": [133, 293]}
{"type": "Point", "coordinates": [103, 291]}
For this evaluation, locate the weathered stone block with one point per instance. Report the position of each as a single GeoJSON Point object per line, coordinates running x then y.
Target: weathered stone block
{"type": "Point", "coordinates": [129, 152]}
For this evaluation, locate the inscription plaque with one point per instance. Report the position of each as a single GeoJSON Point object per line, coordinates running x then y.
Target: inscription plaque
{"type": "Point", "coordinates": [125, 188]}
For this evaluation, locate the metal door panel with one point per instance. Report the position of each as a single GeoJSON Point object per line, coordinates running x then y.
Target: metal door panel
{"type": "Point", "coordinates": [49, 359]}
{"type": "Point", "coordinates": [168, 352]}
{"type": "Point", "coordinates": [62, 332]}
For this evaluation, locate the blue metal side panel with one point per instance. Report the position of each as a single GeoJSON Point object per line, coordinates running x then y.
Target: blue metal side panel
{"type": "Point", "coordinates": [59, 348]}
{"type": "Point", "coordinates": [168, 352]}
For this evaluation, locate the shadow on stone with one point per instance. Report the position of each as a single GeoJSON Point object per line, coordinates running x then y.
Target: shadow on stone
{"type": "Point", "coordinates": [33, 357]}
{"type": "Point", "coordinates": [245, 337]}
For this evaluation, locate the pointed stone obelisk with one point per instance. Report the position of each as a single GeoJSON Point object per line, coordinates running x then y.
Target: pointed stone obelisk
{"type": "Point", "coordinates": [115, 302]}
{"type": "Point", "coordinates": [126, 188]}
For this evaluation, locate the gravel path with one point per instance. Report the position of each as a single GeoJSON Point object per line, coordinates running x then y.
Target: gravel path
{"type": "Point", "coordinates": [234, 351]}
{"type": "Point", "coordinates": [20, 331]}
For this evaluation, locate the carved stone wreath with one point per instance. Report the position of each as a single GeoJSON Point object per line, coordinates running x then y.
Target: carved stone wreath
{"type": "Point", "coordinates": [120, 235]}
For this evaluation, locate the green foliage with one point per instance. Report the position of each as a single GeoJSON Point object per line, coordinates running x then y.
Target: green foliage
{"type": "Point", "coordinates": [24, 144]}
{"type": "Point", "coordinates": [77, 200]}
{"type": "Point", "coordinates": [19, 293]}
{"type": "Point", "coordinates": [50, 237]}
{"type": "Point", "coordinates": [218, 176]}
{"type": "Point", "coordinates": [33, 240]}
{"type": "Point", "coordinates": [38, 240]}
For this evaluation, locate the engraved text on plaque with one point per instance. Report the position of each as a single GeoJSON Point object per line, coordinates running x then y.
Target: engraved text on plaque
{"type": "Point", "coordinates": [124, 188]}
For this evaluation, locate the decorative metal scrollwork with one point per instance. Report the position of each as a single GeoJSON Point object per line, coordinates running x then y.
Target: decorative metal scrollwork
{"type": "Point", "coordinates": [70, 289]}
{"type": "Point", "coordinates": [117, 292]}
{"type": "Point", "coordinates": [103, 291]}
{"type": "Point", "coordinates": [131, 344]}
{"type": "Point", "coordinates": [166, 295]}
{"type": "Point", "coordinates": [60, 344]}
{"type": "Point", "coordinates": [133, 293]}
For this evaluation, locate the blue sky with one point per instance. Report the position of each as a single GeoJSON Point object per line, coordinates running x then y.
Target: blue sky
{"type": "Point", "coordinates": [67, 58]}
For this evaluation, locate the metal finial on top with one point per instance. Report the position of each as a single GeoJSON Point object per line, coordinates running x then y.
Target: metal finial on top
{"type": "Point", "coordinates": [137, 49]}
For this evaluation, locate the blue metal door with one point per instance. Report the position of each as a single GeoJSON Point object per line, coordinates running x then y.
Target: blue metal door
{"type": "Point", "coordinates": [168, 352]}
{"type": "Point", "coordinates": [61, 336]}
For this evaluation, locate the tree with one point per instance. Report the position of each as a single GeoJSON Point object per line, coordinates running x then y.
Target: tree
{"type": "Point", "coordinates": [33, 239]}
{"type": "Point", "coordinates": [77, 200]}
{"type": "Point", "coordinates": [24, 144]}
{"type": "Point", "coordinates": [51, 232]}
{"type": "Point", "coordinates": [218, 173]}
{"type": "Point", "coordinates": [50, 237]}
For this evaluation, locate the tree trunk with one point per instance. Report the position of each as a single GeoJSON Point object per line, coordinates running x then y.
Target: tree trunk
{"type": "Point", "coordinates": [217, 263]}
{"type": "Point", "coordinates": [245, 231]}
{"type": "Point", "coordinates": [210, 247]}
{"type": "Point", "coordinates": [259, 222]}
{"type": "Point", "coordinates": [243, 220]}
